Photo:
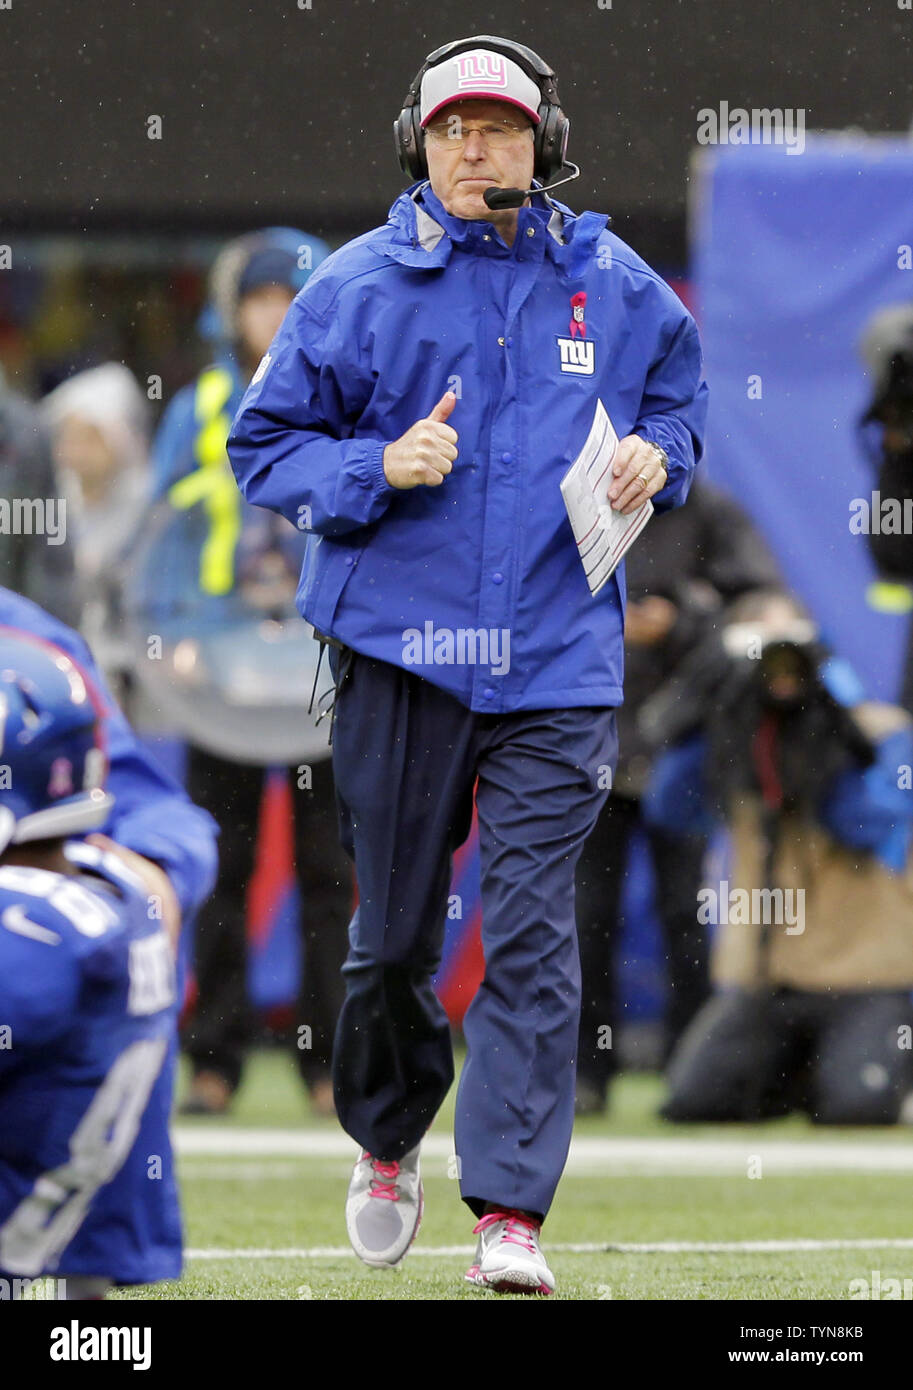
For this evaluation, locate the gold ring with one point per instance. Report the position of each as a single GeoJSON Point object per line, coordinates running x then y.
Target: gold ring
{"type": "Point", "coordinates": [642, 479]}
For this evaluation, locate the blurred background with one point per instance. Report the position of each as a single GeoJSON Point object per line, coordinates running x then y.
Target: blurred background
{"type": "Point", "coordinates": [274, 113]}
{"type": "Point", "coordinates": [139, 140]}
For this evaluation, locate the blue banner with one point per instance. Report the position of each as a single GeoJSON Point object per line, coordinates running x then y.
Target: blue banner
{"type": "Point", "coordinates": [792, 255]}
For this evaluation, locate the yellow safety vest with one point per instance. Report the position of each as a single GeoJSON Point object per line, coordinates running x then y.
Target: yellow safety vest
{"type": "Point", "coordinates": [886, 597]}
{"type": "Point", "coordinates": [213, 482]}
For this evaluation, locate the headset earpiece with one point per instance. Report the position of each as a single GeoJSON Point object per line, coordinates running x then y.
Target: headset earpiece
{"type": "Point", "coordinates": [409, 139]}
{"type": "Point", "coordinates": [551, 141]}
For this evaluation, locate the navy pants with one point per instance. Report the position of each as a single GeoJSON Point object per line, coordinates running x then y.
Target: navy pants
{"type": "Point", "coordinates": [406, 756]}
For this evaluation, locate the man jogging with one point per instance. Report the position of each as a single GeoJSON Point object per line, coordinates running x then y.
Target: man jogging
{"type": "Point", "coordinates": [417, 410]}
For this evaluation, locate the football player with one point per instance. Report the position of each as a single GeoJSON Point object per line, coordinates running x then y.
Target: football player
{"type": "Point", "coordinates": [87, 985]}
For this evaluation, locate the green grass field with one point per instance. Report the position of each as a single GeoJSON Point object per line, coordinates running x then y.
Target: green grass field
{"type": "Point", "coordinates": [270, 1224]}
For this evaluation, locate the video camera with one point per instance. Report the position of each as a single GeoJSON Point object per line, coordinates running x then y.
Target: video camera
{"type": "Point", "coordinates": [771, 667]}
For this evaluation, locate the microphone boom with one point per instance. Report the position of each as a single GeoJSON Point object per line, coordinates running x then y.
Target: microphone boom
{"type": "Point", "coordinates": [498, 198]}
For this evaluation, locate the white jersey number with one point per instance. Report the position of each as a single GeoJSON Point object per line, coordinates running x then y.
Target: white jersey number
{"type": "Point", "coordinates": [89, 913]}
{"type": "Point", "coordinates": [43, 1224]}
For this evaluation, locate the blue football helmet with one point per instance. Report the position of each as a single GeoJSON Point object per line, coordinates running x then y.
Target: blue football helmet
{"type": "Point", "coordinates": [52, 759]}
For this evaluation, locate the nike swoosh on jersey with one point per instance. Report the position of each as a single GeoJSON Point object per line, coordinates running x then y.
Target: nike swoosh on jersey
{"type": "Point", "coordinates": [14, 919]}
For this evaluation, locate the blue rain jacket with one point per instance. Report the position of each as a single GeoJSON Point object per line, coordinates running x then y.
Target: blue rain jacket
{"type": "Point", "coordinates": [381, 330]}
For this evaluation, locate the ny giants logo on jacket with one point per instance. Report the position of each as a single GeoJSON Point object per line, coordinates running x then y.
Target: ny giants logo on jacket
{"type": "Point", "coordinates": [577, 353]}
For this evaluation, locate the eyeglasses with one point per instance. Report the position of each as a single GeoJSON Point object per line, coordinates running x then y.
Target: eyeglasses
{"type": "Point", "coordinates": [496, 134]}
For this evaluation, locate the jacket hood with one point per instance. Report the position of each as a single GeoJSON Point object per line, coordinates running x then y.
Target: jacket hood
{"type": "Point", "coordinates": [419, 232]}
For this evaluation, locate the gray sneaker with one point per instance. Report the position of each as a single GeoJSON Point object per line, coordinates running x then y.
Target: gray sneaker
{"type": "Point", "coordinates": [384, 1207]}
{"type": "Point", "coordinates": [508, 1258]}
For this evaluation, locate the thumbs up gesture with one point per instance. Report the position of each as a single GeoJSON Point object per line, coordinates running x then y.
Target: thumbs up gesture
{"type": "Point", "coordinates": [423, 456]}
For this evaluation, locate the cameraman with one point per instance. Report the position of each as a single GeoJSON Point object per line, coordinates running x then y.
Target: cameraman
{"type": "Point", "coordinates": [813, 955]}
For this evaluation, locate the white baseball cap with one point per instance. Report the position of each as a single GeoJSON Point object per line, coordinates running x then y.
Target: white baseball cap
{"type": "Point", "coordinates": [481, 73]}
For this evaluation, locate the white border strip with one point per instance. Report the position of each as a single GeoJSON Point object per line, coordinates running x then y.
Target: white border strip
{"type": "Point", "coordinates": [676, 1154]}
{"type": "Point", "coordinates": [663, 1247]}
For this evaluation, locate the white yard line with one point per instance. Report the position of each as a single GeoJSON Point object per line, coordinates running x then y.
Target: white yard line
{"type": "Point", "coordinates": [604, 1156]}
{"type": "Point", "coordinates": [663, 1247]}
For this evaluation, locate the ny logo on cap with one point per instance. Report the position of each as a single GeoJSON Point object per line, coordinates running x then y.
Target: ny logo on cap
{"type": "Point", "coordinates": [488, 69]}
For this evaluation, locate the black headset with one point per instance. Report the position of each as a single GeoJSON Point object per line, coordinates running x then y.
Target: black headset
{"type": "Point", "coordinates": [550, 134]}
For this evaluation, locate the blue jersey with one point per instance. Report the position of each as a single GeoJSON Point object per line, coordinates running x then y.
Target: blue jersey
{"type": "Point", "coordinates": [87, 1021]}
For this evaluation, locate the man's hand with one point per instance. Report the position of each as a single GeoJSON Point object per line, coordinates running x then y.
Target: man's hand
{"type": "Point", "coordinates": [156, 881]}
{"type": "Point", "coordinates": [638, 474]}
{"type": "Point", "coordinates": [424, 455]}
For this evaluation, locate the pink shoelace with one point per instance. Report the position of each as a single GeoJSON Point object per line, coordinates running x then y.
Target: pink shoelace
{"type": "Point", "coordinates": [520, 1230]}
{"type": "Point", "coordinates": [384, 1185]}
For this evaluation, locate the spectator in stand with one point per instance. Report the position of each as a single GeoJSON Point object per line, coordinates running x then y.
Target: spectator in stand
{"type": "Point", "coordinates": [98, 420]}
{"type": "Point", "coordinates": [37, 564]}
{"type": "Point", "coordinates": [887, 348]}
